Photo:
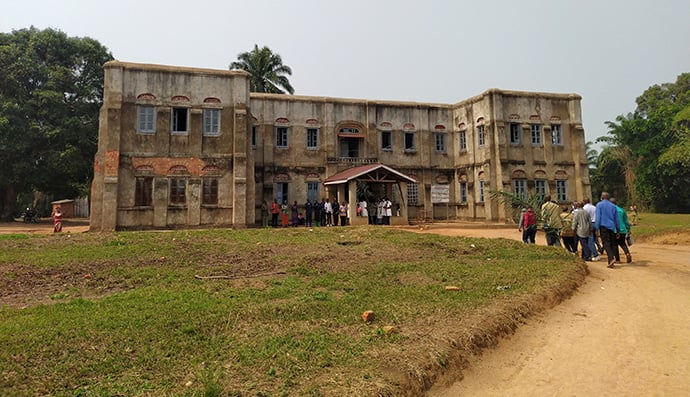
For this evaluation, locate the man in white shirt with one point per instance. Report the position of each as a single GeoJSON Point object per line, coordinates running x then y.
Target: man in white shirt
{"type": "Point", "coordinates": [388, 211]}
{"type": "Point", "coordinates": [328, 209]}
{"type": "Point", "coordinates": [594, 246]}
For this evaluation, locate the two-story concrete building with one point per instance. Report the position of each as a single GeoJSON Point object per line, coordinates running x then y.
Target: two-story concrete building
{"type": "Point", "coordinates": [183, 147]}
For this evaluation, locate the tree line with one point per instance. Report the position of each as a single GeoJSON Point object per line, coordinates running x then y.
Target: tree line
{"type": "Point", "coordinates": [646, 157]}
{"type": "Point", "coordinates": [51, 90]}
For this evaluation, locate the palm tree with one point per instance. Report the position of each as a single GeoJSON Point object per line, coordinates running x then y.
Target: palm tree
{"type": "Point", "coordinates": [619, 150]}
{"type": "Point", "coordinates": [591, 154]}
{"type": "Point", "coordinates": [267, 70]}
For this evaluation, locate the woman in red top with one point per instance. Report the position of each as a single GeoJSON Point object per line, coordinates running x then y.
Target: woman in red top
{"type": "Point", "coordinates": [57, 220]}
{"type": "Point", "coordinates": [275, 210]}
{"type": "Point", "coordinates": [529, 226]}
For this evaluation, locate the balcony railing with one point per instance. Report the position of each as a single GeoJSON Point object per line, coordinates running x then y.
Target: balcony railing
{"type": "Point", "coordinates": [352, 160]}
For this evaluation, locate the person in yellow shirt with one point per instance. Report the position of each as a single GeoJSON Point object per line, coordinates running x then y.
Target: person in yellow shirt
{"type": "Point", "coordinates": [550, 215]}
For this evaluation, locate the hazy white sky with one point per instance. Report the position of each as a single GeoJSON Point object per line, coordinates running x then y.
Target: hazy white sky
{"type": "Point", "coordinates": [608, 51]}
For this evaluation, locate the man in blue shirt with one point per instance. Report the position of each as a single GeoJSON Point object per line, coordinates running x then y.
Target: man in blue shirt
{"type": "Point", "coordinates": [608, 226]}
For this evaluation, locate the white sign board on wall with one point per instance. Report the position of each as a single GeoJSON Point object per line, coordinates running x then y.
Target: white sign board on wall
{"type": "Point", "coordinates": [440, 194]}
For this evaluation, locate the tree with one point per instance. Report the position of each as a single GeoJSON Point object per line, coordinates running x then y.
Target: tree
{"type": "Point", "coordinates": [267, 70]}
{"type": "Point", "coordinates": [51, 89]}
{"type": "Point", "coordinates": [649, 147]}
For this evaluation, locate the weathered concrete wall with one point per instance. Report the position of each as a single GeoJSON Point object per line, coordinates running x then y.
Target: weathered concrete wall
{"type": "Point", "coordinates": [162, 154]}
{"type": "Point", "coordinates": [350, 133]}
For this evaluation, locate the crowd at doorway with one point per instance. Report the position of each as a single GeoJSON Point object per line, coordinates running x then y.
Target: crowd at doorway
{"type": "Point", "coordinates": [327, 212]}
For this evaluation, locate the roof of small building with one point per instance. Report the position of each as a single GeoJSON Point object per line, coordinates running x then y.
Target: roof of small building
{"type": "Point", "coordinates": [356, 172]}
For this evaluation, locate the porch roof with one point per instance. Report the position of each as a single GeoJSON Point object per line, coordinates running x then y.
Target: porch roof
{"type": "Point", "coordinates": [369, 172]}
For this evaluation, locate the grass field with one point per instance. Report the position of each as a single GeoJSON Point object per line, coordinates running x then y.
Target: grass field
{"type": "Point", "coordinates": [660, 224]}
{"type": "Point", "coordinates": [137, 314]}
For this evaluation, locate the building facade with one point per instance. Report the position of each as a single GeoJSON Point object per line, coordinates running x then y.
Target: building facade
{"type": "Point", "coordinates": [183, 147]}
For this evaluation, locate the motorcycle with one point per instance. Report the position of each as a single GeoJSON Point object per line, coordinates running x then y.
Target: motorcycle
{"type": "Point", "coordinates": [30, 215]}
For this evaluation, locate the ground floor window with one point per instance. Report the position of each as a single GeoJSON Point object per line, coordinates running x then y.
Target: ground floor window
{"type": "Point", "coordinates": [210, 191]}
{"type": "Point", "coordinates": [413, 194]}
{"type": "Point", "coordinates": [281, 192]}
{"type": "Point", "coordinates": [143, 191]}
{"type": "Point", "coordinates": [178, 190]}
{"type": "Point", "coordinates": [313, 191]}
{"type": "Point", "coordinates": [540, 188]}
{"type": "Point", "coordinates": [463, 192]}
{"type": "Point", "coordinates": [520, 188]}
{"type": "Point", "coordinates": [562, 190]}
{"type": "Point", "coordinates": [480, 191]}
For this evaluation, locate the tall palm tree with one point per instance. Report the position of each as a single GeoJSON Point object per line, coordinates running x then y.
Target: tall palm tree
{"type": "Point", "coordinates": [267, 70]}
{"type": "Point", "coordinates": [591, 154]}
{"type": "Point", "coordinates": [619, 150]}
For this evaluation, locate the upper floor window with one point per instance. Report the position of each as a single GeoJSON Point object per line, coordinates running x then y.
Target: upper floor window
{"type": "Point", "coordinates": [178, 190]}
{"type": "Point", "coordinates": [515, 134]}
{"type": "Point", "coordinates": [211, 122]}
{"type": "Point", "coordinates": [556, 134]}
{"type": "Point", "coordinates": [179, 121]}
{"type": "Point", "coordinates": [210, 191]}
{"type": "Point", "coordinates": [480, 135]}
{"type": "Point", "coordinates": [254, 136]}
{"type": "Point", "coordinates": [409, 141]}
{"type": "Point", "coordinates": [146, 119]}
{"type": "Point", "coordinates": [282, 136]}
{"type": "Point", "coordinates": [386, 140]}
{"type": "Point", "coordinates": [312, 138]}
{"type": "Point", "coordinates": [535, 130]}
{"type": "Point", "coordinates": [440, 141]}
{"type": "Point", "coordinates": [463, 141]}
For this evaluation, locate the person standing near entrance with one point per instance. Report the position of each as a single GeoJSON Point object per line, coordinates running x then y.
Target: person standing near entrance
{"type": "Point", "coordinates": [328, 211]}
{"type": "Point", "coordinates": [364, 209]}
{"type": "Point", "coordinates": [264, 214]}
{"type": "Point", "coordinates": [308, 213]}
{"type": "Point", "coordinates": [608, 226]}
{"type": "Point", "coordinates": [275, 211]}
{"type": "Point", "coordinates": [388, 211]}
{"type": "Point", "coordinates": [343, 214]}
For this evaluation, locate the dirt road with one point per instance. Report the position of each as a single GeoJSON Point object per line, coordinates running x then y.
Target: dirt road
{"type": "Point", "coordinates": [626, 332]}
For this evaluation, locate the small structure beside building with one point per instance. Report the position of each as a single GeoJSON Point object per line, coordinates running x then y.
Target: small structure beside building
{"type": "Point", "coordinates": [66, 206]}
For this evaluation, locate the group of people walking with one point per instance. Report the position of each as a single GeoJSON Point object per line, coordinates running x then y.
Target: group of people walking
{"type": "Point", "coordinates": [582, 224]}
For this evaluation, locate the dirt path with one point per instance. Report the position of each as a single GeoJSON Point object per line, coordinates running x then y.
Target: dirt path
{"type": "Point", "coordinates": [626, 332]}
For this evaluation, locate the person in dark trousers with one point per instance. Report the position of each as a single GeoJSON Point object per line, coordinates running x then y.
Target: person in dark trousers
{"type": "Point", "coordinates": [624, 229]}
{"type": "Point", "coordinates": [608, 226]}
{"type": "Point", "coordinates": [275, 211]}
{"type": "Point", "coordinates": [529, 226]}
